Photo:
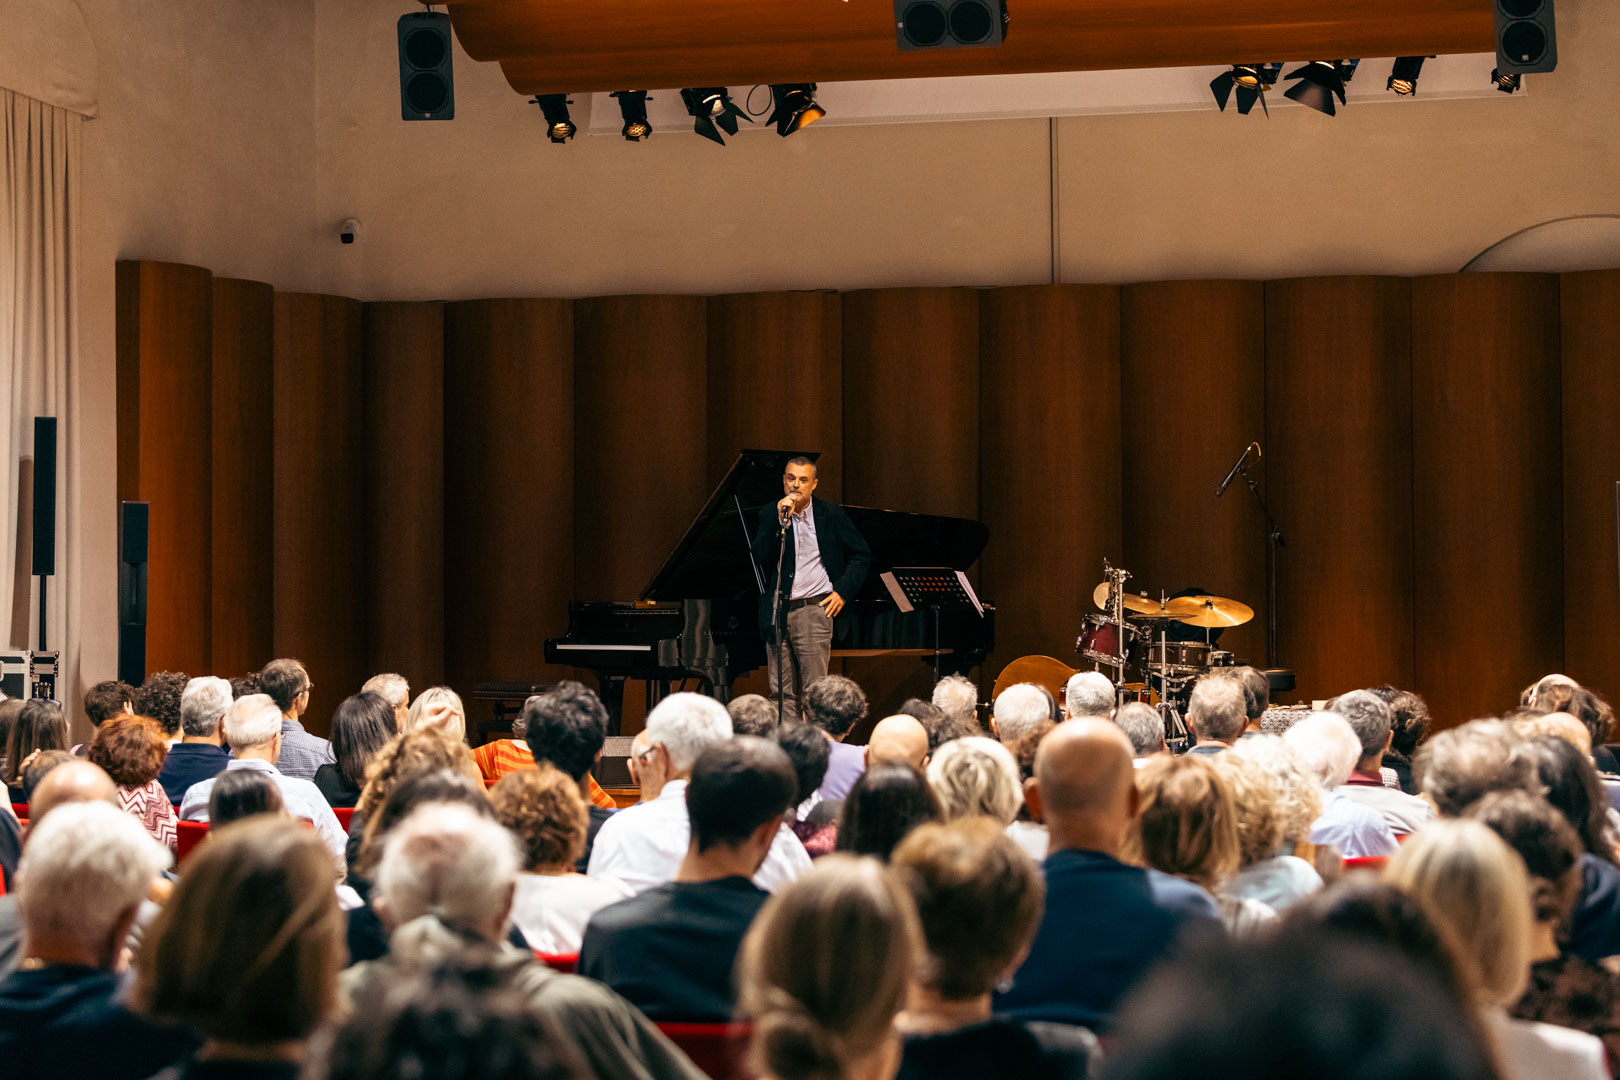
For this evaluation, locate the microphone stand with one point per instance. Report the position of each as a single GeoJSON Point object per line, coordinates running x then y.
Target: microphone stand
{"type": "Point", "coordinates": [1274, 540]}
{"type": "Point", "coordinates": [778, 624]}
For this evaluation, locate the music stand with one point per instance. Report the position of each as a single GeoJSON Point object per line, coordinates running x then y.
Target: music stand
{"type": "Point", "coordinates": [933, 588]}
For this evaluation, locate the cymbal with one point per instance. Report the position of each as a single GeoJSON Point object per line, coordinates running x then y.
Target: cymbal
{"type": "Point", "coordinates": [1134, 604]}
{"type": "Point", "coordinates": [1174, 609]}
{"type": "Point", "coordinates": [1217, 611]}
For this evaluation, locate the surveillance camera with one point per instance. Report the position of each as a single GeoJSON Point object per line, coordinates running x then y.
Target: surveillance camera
{"type": "Point", "coordinates": [349, 230]}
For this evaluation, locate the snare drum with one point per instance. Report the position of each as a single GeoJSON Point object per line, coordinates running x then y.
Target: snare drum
{"type": "Point", "coordinates": [1099, 639]}
{"type": "Point", "coordinates": [1177, 657]}
{"type": "Point", "coordinates": [1221, 658]}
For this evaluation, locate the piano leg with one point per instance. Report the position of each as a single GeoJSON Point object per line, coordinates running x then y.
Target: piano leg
{"type": "Point", "coordinates": [612, 695]}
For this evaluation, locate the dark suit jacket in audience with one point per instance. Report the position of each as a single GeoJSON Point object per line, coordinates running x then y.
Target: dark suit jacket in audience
{"type": "Point", "coordinates": [1029, 1051]}
{"type": "Point", "coordinates": [189, 763]}
{"type": "Point", "coordinates": [1595, 926]}
{"type": "Point", "coordinates": [63, 1023]}
{"type": "Point", "coordinates": [335, 787]}
{"type": "Point", "coordinates": [1105, 924]}
{"type": "Point", "coordinates": [598, 814]}
{"type": "Point", "coordinates": [670, 951]}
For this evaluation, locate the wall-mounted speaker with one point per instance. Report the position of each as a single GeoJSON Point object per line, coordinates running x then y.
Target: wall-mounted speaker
{"type": "Point", "coordinates": [1525, 36]}
{"type": "Point", "coordinates": [949, 24]}
{"type": "Point", "coordinates": [44, 495]}
{"type": "Point", "coordinates": [427, 90]}
{"type": "Point", "coordinates": [132, 549]}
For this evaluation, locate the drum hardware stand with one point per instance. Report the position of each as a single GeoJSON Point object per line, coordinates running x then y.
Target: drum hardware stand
{"type": "Point", "coordinates": [1116, 611]}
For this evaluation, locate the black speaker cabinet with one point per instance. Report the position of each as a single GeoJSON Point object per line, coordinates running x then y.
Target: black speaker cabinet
{"type": "Point", "coordinates": [1525, 38]}
{"type": "Point", "coordinates": [132, 521]}
{"type": "Point", "coordinates": [949, 24]}
{"type": "Point", "coordinates": [427, 90]}
{"type": "Point", "coordinates": [44, 495]}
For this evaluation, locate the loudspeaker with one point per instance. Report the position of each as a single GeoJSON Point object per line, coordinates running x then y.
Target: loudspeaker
{"type": "Point", "coordinates": [44, 495]}
{"type": "Point", "coordinates": [426, 87]}
{"type": "Point", "coordinates": [1525, 37]}
{"type": "Point", "coordinates": [949, 24]}
{"type": "Point", "coordinates": [132, 521]}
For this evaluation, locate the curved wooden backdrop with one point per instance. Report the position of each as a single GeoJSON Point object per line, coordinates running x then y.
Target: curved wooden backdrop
{"type": "Point", "coordinates": [424, 487]}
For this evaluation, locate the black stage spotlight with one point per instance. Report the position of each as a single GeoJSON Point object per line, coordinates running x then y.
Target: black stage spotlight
{"type": "Point", "coordinates": [633, 107]}
{"type": "Point", "coordinates": [1320, 81]}
{"type": "Point", "coordinates": [795, 107]}
{"type": "Point", "coordinates": [559, 128]}
{"type": "Point", "coordinates": [1403, 77]}
{"type": "Point", "coordinates": [1251, 81]}
{"type": "Point", "coordinates": [1506, 81]}
{"type": "Point", "coordinates": [713, 111]}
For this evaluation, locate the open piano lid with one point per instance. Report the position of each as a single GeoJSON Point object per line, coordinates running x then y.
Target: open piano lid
{"type": "Point", "coordinates": [713, 560]}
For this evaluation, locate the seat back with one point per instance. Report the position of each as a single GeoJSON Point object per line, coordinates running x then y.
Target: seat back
{"type": "Point", "coordinates": [345, 814]}
{"type": "Point", "coordinates": [717, 1049]}
{"type": "Point", "coordinates": [188, 835]}
{"type": "Point", "coordinates": [567, 963]}
{"type": "Point", "coordinates": [1374, 863]}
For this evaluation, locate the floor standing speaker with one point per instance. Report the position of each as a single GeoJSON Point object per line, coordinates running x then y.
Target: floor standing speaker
{"type": "Point", "coordinates": [44, 495]}
{"type": "Point", "coordinates": [132, 519]}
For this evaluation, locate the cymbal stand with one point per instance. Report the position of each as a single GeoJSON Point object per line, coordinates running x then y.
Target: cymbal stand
{"type": "Point", "coordinates": [1174, 729]}
{"type": "Point", "coordinates": [1116, 611]}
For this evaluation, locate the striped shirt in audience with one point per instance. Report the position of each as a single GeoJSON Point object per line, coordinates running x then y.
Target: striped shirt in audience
{"type": "Point", "coordinates": [301, 752]}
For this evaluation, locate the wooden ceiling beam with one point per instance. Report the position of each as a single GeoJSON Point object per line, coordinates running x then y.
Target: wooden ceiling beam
{"type": "Point", "coordinates": [584, 46]}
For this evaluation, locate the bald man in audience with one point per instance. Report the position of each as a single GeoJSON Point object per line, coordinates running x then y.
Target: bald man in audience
{"type": "Point", "coordinates": [898, 738]}
{"type": "Point", "coordinates": [1106, 922]}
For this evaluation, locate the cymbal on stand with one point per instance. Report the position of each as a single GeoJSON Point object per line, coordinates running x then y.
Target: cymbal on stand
{"type": "Point", "coordinates": [1217, 612]}
{"type": "Point", "coordinates": [1132, 602]}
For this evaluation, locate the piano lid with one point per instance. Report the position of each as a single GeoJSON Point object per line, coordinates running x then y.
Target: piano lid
{"type": "Point", "coordinates": [713, 560]}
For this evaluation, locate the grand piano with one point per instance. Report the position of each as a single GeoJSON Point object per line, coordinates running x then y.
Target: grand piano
{"type": "Point", "coordinates": [698, 617]}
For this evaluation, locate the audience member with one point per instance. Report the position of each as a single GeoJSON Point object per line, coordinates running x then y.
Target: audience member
{"type": "Point", "coordinates": [242, 793]}
{"type": "Point", "coordinates": [1188, 827]}
{"type": "Point", "coordinates": [1373, 721]}
{"type": "Point", "coordinates": [1572, 787]}
{"type": "Point", "coordinates": [1088, 693]}
{"type": "Point", "coordinates": [898, 738]}
{"type": "Point", "coordinates": [976, 776]}
{"type": "Point", "coordinates": [979, 900]}
{"type": "Point", "coordinates": [409, 754]}
{"type": "Point", "coordinates": [130, 749]}
{"type": "Point", "coordinates": [1466, 763]}
{"type": "Point", "coordinates": [1276, 806]}
{"type": "Point", "coordinates": [648, 785]}
{"type": "Point", "coordinates": [253, 727]}
{"type": "Point", "coordinates": [1027, 832]}
{"type": "Point", "coordinates": [814, 821]}
{"type": "Point", "coordinates": [1559, 693]}
{"type": "Point", "coordinates": [247, 951]}
{"type": "Point", "coordinates": [929, 715]}
{"type": "Point", "coordinates": [444, 881]}
{"type": "Point", "coordinates": [553, 900]}
{"type": "Point", "coordinates": [9, 708]}
{"type": "Point", "coordinates": [824, 971]}
{"type": "Point", "coordinates": [835, 705]}
{"type": "Point", "coordinates": [567, 727]}
{"type": "Point", "coordinates": [158, 698]}
{"type": "Point", "coordinates": [1256, 696]}
{"type": "Point", "coordinates": [1019, 708]}
{"type": "Point", "coordinates": [1217, 713]}
{"type": "Point", "coordinates": [392, 688]}
{"type": "Point", "coordinates": [287, 684]}
{"type": "Point", "coordinates": [752, 714]}
{"type": "Point", "coordinates": [1473, 884]}
{"type": "Point", "coordinates": [670, 950]}
{"type": "Point", "coordinates": [243, 685]}
{"type": "Point", "coordinates": [439, 706]}
{"type": "Point", "coordinates": [1105, 922]}
{"type": "Point", "coordinates": [361, 726]}
{"type": "Point", "coordinates": [886, 803]}
{"type": "Point", "coordinates": [85, 871]}
{"type": "Point", "coordinates": [957, 697]}
{"type": "Point", "coordinates": [1561, 724]}
{"type": "Point", "coordinates": [102, 702]}
{"type": "Point", "coordinates": [1326, 749]}
{"type": "Point", "coordinates": [1143, 725]}
{"type": "Point", "coordinates": [39, 726]}
{"type": "Point", "coordinates": [200, 753]}
{"type": "Point", "coordinates": [644, 845]}
{"type": "Point", "coordinates": [1410, 726]}
{"type": "Point", "coordinates": [42, 763]}
{"type": "Point", "coordinates": [1532, 694]}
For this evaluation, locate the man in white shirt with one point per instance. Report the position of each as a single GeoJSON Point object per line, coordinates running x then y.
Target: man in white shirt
{"type": "Point", "coordinates": [643, 845]}
{"type": "Point", "coordinates": [1327, 749]}
{"type": "Point", "coordinates": [1371, 718]}
{"type": "Point", "coordinates": [253, 729]}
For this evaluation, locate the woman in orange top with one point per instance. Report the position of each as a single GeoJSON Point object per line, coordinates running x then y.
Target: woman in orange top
{"type": "Point", "coordinates": [496, 759]}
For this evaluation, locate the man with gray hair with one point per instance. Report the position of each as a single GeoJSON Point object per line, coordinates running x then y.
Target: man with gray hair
{"type": "Point", "coordinates": [83, 877]}
{"type": "Point", "coordinates": [1143, 725]}
{"type": "Point", "coordinates": [752, 714]}
{"type": "Point", "coordinates": [1217, 713]}
{"type": "Point", "coordinates": [1371, 718]}
{"type": "Point", "coordinates": [958, 698]}
{"type": "Point", "coordinates": [1019, 709]}
{"type": "Point", "coordinates": [445, 879]}
{"type": "Point", "coordinates": [253, 728]}
{"type": "Point", "coordinates": [1088, 693]}
{"type": "Point", "coordinates": [200, 754]}
{"type": "Point", "coordinates": [393, 689]}
{"type": "Point", "coordinates": [1327, 749]}
{"type": "Point", "coordinates": [643, 845]}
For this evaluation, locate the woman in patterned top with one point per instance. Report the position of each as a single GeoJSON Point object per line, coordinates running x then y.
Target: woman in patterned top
{"type": "Point", "coordinates": [131, 750]}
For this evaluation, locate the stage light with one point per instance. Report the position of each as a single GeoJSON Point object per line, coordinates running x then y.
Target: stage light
{"type": "Point", "coordinates": [1320, 81]}
{"type": "Point", "coordinates": [559, 128]}
{"type": "Point", "coordinates": [1403, 77]}
{"type": "Point", "coordinates": [633, 107]}
{"type": "Point", "coordinates": [1251, 81]}
{"type": "Point", "coordinates": [1506, 81]}
{"type": "Point", "coordinates": [713, 111]}
{"type": "Point", "coordinates": [795, 107]}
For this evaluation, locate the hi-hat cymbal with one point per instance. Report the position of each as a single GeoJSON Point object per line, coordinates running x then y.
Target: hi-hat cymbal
{"type": "Point", "coordinates": [1216, 612]}
{"type": "Point", "coordinates": [1134, 604]}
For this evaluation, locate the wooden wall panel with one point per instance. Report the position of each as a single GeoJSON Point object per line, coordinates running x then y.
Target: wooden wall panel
{"type": "Point", "coordinates": [1339, 478]}
{"type": "Point", "coordinates": [776, 380]}
{"type": "Point", "coordinates": [320, 467]}
{"type": "Point", "coordinates": [164, 340]}
{"type": "Point", "coordinates": [404, 485]}
{"type": "Point", "coordinates": [1050, 460]}
{"type": "Point", "coordinates": [1591, 467]}
{"type": "Point", "coordinates": [508, 486]}
{"type": "Point", "coordinates": [243, 594]}
{"type": "Point", "coordinates": [1192, 383]}
{"type": "Point", "coordinates": [1488, 542]}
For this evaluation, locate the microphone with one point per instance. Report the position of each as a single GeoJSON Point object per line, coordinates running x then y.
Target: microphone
{"type": "Point", "coordinates": [1252, 448]}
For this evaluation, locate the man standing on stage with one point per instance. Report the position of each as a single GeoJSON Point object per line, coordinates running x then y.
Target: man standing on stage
{"type": "Point", "coordinates": [824, 564]}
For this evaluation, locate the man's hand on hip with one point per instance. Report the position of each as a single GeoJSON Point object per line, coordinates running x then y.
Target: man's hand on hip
{"type": "Point", "coordinates": [832, 604]}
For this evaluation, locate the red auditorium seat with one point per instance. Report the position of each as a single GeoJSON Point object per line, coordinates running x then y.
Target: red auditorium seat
{"type": "Point", "coordinates": [21, 810]}
{"type": "Point", "coordinates": [1366, 862]}
{"type": "Point", "coordinates": [567, 963]}
{"type": "Point", "coordinates": [191, 833]}
{"type": "Point", "coordinates": [344, 815]}
{"type": "Point", "coordinates": [717, 1049]}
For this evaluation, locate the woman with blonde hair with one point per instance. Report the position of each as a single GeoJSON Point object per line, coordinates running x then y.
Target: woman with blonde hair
{"type": "Point", "coordinates": [824, 970]}
{"type": "Point", "coordinates": [1274, 813]}
{"type": "Point", "coordinates": [976, 775]}
{"type": "Point", "coordinates": [1474, 886]}
{"type": "Point", "coordinates": [440, 707]}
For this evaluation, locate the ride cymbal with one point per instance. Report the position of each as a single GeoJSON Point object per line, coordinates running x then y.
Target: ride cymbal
{"type": "Point", "coordinates": [1216, 612]}
{"type": "Point", "coordinates": [1133, 602]}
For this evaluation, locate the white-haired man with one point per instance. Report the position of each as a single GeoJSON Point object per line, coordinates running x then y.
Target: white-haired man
{"type": "Point", "coordinates": [643, 845]}
{"type": "Point", "coordinates": [393, 689]}
{"type": "Point", "coordinates": [1373, 721]}
{"type": "Point", "coordinates": [1217, 713]}
{"type": "Point", "coordinates": [1327, 749]}
{"type": "Point", "coordinates": [958, 699]}
{"type": "Point", "coordinates": [200, 754]}
{"type": "Point", "coordinates": [1019, 709]}
{"type": "Point", "coordinates": [253, 728]}
{"type": "Point", "coordinates": [1144, 727]}
{"type": "Point", "coordinates": [1088, 693]}
{"type": "Point", "coordinates": [83, 876]}
{"type": "Point", "coordinates": [446, 877]}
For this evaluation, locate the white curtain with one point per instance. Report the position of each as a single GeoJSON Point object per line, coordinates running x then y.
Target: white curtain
{"type": "Point", "coordinates": [39, 181]}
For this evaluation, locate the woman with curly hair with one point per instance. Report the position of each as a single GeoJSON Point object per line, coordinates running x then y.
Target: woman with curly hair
{"type": "Point", "coordinates": [131, 749]}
